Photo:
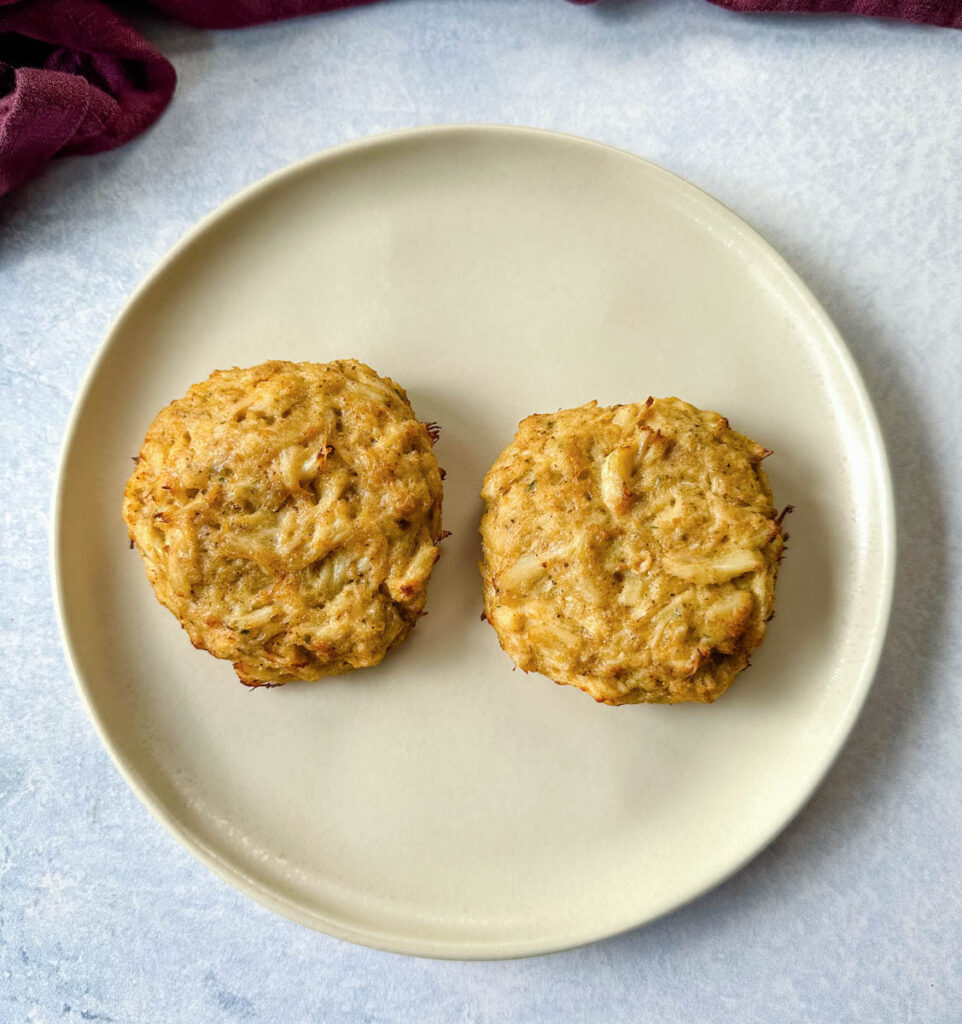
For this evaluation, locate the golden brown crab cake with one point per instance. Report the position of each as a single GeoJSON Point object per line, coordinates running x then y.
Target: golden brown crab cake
{"type": "Point", "coordinates": [630, 551]}
{"type": "Point", "coordinates": [289, 516]}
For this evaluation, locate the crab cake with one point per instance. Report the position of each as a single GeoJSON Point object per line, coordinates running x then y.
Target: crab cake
{"type": "Point", "coordinates": [630, 551]}
{"type": "Point", "coordinates": [289, 516]}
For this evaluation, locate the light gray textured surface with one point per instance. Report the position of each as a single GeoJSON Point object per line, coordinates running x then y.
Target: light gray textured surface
{"type": "Point", "coordinates": [841, 141]}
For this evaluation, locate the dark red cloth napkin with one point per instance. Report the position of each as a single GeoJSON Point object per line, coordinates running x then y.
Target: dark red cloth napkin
{"type": "Point", "coordinates": [947, 13]}
{"type": "Point", "coordinates": [74, 78]}
{"type": "Point", "coordinates": [77, 78]}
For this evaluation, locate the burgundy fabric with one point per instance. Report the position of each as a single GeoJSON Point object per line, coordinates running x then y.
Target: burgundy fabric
{"type": "Point", "coordinates": [77, 78]}
{"type": "Point", "coordinates": [238, 13]}
{"type": "Point", "coordinates": [74, 78]}
{"type": "Point", "coordinates": [947, 13]}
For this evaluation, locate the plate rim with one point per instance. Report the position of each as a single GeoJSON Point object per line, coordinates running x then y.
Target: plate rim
{"type": "Point", "coordinates": [752, 241]}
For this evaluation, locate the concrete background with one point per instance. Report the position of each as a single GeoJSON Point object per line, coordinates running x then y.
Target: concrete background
{"type": "Point", "coordinates": [840, 139]}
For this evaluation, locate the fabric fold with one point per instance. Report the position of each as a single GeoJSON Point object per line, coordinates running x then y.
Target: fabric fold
{"type": "Point", "coordinates": [75, 78]}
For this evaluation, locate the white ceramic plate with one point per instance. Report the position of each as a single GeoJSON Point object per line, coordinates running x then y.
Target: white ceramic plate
{"type": "Point", "coordinates": [441, 804]}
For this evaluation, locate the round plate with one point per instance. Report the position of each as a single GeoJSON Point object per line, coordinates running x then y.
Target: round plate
{"type": "Point", "coordinates": [442, 804]}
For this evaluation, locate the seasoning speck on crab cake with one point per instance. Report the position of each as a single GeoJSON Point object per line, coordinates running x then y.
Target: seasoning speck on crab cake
{"type": "Point", "coordinates": [631, 551]}
{"type": "Point", "coordinates": [289, 516]}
